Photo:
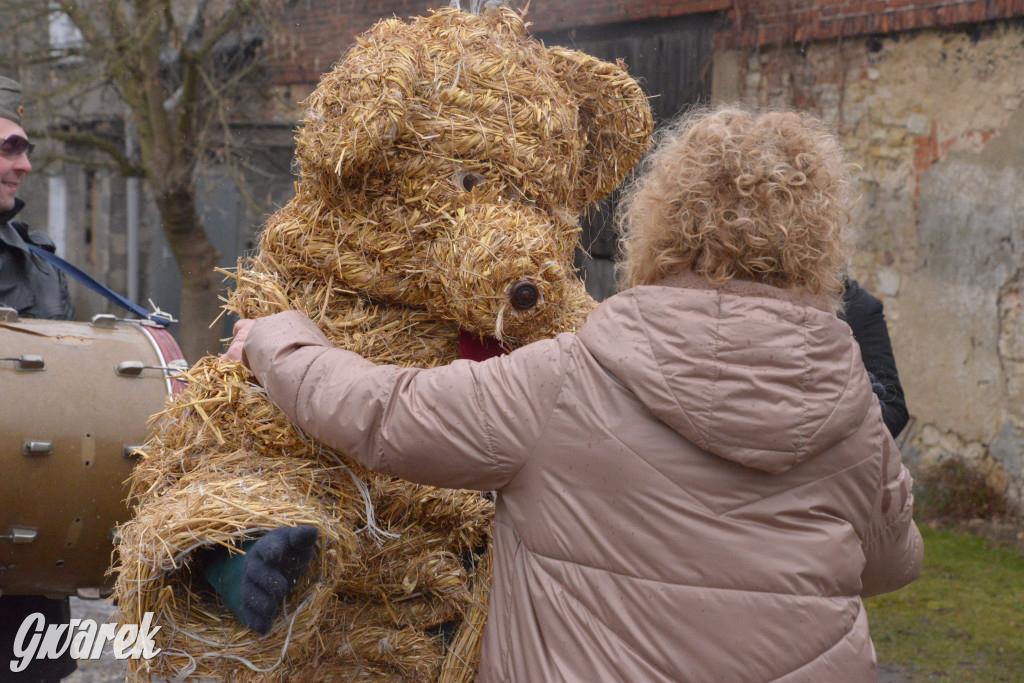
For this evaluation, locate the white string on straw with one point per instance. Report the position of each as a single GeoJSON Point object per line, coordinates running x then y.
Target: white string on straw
{"type": "Point", "coordinates": [375, 532]}
{"type": "Point", "coordinates": [192, 665]}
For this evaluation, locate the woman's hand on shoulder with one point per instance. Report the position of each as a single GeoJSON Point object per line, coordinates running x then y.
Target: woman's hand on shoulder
{"type": "Point", "coordinates": [241, 331]}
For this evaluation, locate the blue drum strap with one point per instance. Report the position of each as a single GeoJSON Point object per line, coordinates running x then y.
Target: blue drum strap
{"type": "Point", "coordinates": [158, 317]}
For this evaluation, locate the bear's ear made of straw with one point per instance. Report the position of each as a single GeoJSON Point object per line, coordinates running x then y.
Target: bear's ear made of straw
{"type": "Point", "coordinates": [357, 112]}
{"type": "Point", "coordinates": [614, 115]}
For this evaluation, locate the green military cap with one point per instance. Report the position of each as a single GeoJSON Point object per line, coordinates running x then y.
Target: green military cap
{"type": "Point", "coordinates": [10, 100]}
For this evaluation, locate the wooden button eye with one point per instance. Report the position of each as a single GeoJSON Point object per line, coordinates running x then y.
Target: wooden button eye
{"type": "Point", "coordinates": [523, 295]}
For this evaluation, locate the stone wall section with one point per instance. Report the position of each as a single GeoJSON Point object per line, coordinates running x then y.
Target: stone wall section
{"type": "Point", "coordinates": [935, 121]}
{"type": "Point", "coordinates": [927, 95]}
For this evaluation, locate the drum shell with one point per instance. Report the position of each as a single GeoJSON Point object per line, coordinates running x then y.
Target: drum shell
{"type": "Point", "coordinates": [73, 496]}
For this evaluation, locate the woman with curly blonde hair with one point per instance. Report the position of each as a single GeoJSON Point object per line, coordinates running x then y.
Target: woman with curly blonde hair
{"type": "Point", "coordinates": [731, 194]}
{"type": "Point", "coordinates": [734, 195]}
{"type": "Point", "coordinates": [698, 486]}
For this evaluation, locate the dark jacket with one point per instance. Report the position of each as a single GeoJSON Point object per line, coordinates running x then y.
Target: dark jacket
{"type": "Point", "coordinates": [29, 284]}
{"type": "Point", "coordinates": [35, 289]}
{"type": "Point", "coordinates": [866, 319]}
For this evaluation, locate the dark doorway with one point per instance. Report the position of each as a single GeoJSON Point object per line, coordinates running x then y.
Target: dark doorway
{"type": "Point", "coordinates": [672, 60]}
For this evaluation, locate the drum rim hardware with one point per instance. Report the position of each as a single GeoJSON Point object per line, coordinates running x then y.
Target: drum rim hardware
{"type": "Point", "coordinates": [109, 321]}
{"type": "Point", "coordinates": [20, 535]}
{"type": "Point", "coordinates": [32, 447]}
{"type": "Point", "coordinates": [134, 368]}
{"type": "Point", "coordinates": [28, 362]}
{"type": "Point", "coordinates": [84, 473]}
{"type": "Point", "coordinates": [104, 320]}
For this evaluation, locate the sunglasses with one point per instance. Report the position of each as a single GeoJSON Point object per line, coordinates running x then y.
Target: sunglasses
{"type": "Point", "coordinates": [14, 146]}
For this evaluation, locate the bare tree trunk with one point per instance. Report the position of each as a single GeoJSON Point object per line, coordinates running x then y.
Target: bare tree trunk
{"type": "Point", "coordinates": [196, 258]}
{"type": "Point", "coordinates": [179, 67]}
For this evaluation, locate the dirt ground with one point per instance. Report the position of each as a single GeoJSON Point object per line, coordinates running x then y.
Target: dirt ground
{"type": "Point", "coordinates": [894, 674]}
{"type": "Point", "coordinates": [107, 669]}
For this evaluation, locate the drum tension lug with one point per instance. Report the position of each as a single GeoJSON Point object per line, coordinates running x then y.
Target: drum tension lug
{"type": "Point", "coordinates": [20, 534]}
{"type": "Point", "coordinates": [28, 361]}
{"type": "Point", "coordinates": [36, 447]}
{"type": "Point", "coordinates": [130, 368]}
{"type": "Point", "coordinates": [104, 320]}
{"type": "Point", "coordinates": [8, 315]}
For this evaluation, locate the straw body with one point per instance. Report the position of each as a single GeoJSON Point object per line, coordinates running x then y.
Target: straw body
{"type": "Point", "coordinates": [442, 164]}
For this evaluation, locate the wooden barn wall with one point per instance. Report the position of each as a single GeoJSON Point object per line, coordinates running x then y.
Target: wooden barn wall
{"type": "Point", "coordinates": [672, 60]}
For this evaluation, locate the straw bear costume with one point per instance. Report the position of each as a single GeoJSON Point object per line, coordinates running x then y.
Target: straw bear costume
{"type": "Point", "coordinates": [443, 166]}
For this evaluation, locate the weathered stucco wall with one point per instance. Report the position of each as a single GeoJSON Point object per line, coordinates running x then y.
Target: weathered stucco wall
{"type": "Point", "coordinates": [935, 120]}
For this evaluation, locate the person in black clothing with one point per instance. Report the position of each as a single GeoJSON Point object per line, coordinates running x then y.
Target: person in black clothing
{"type": "Point", "coordinates": [28, 284]}
{"type": "Point", "coordinates": [35, 289]}
{"type": "Point", "coordinates": [866, 318]}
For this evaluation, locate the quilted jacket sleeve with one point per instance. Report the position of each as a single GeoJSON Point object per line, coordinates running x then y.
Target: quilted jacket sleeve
{"type": "Point", "coordinates": [865, 315]}
{"type": "Point", "coordinates": [464, 425]}
{"type": "Point", "coordinates": [893, 545]}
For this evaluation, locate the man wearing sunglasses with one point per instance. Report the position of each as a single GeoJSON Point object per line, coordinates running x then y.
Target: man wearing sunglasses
{"type": "Point", "coordinates": [28, 284]}
{"type": "Point", "coordinates": [36, 290]}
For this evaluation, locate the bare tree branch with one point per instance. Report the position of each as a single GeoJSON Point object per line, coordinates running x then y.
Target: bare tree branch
{"type": "Point", "coordinates": [181, 70]}
{"type": "Point", "coordinates": [90, 31]}
{"type": "Point", "coordinates": [230, 20]}
{"type": "Point", "coordinates": [95, 163]}
{"type": "Point", "coordinates": [105, 145]}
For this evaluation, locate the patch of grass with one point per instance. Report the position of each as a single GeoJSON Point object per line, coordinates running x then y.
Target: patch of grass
{"type": "Point", "coordinates": [962, 620]}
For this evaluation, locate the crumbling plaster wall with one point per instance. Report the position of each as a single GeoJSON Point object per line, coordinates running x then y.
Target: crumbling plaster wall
{"type": "Point", "coordinates": [935, 120]}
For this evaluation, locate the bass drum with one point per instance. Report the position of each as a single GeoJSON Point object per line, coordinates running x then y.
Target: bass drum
{"type": "Point", "coordinates": [75, 400]}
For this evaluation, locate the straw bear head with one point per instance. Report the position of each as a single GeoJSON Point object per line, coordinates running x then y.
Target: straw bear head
{"type": "Point", "coordinates": [445, 161]}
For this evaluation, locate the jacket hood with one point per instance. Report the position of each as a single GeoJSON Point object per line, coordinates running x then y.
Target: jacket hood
{"type": "Point", "coordinates": [748, 372]}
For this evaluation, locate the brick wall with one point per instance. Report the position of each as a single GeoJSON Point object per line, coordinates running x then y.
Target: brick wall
{"type": "Point", "coordinates": [323, 29]}
{"type": "Point", "coordinates": [762, 22]}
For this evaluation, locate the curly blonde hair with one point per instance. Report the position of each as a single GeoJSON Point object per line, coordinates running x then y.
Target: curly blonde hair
{"type": "Point", "coordinates": [730, 193]}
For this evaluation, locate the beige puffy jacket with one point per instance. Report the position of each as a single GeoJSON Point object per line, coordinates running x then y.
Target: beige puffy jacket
{"type": "Point", "coordinates": [696, 487]}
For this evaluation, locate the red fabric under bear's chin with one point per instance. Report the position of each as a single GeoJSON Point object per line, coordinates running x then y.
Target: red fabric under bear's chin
{"type": "Point", "coordinates": [472, 348]}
